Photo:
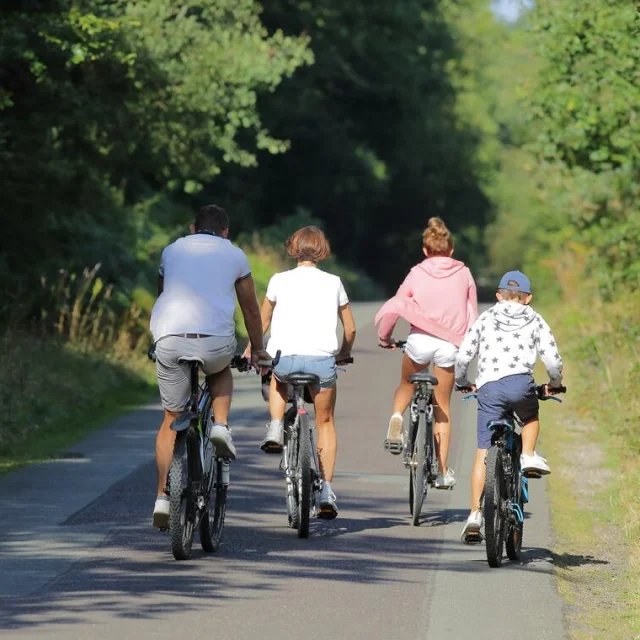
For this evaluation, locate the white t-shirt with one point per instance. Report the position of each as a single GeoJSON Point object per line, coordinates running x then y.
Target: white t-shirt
{"type": "Point", "coordinates": [305, 317]}
{"type": "Point", "coordinates": [200, 272]}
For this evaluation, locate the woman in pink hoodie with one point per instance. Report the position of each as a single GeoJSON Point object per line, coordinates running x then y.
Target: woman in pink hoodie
{"type": "Point", "coordinates": [438, 299]}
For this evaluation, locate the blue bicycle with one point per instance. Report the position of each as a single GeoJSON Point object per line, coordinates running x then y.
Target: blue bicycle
{"type": "Point", "coordinates": [506, 488]}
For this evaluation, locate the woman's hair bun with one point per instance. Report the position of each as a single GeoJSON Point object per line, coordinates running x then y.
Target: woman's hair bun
{"type": "Point", "coordinates": [437, 239]}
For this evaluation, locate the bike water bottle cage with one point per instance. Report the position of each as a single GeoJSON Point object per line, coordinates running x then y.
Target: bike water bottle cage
{"type": "Point", "coordinates": [302, 379]}
{"type": "Point", "coordinates": [497, 425]}
{"type": "Point", "coordinates": [423, 376]}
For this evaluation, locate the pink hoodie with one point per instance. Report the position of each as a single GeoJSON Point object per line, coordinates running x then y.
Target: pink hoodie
{"type": "Point", "coordinates": [438, 297]}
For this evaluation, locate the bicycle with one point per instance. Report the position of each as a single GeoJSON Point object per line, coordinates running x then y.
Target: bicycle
{"type": "Point", "coordinates": [506, 488]}
{"type": "Point", "coordinates": [198, 480]}
{"type": "Point", "coordinates": [419, 448]}
{"type": "Point", "coordinates": [300, 461]}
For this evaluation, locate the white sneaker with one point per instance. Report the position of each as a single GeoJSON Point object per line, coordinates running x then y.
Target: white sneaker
{"type": "Point", "coordinates": [446, 480]}
{"type": "Point", "coordinates": [272, 442]}
{"type": "Point", "coordinates": [161, 512]}
{"type": "Point", "coordinates": [328, 507]}
{"type": "Point", "coordinates": [471, 532]}
{"type": "Point", "coordinates": [221, 438]}
{"type": "Point", "coordinates": [393, 442]}
{"type": "Point", "coordinates": [535, 463]}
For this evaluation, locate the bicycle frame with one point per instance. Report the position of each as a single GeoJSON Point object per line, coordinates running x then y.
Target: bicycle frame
{"type": "Point", "coordinates": [421, 403]}
{"type": "Point", "coordinates": [291, 474]}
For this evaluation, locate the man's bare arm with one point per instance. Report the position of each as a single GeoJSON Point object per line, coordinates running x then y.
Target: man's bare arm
{"type": "Point", "coordinates": [246, 292]}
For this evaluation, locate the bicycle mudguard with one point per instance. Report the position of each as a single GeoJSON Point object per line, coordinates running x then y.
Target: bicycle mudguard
{"type": "Point", "coordinates": [496, 424]}
{"type": "Point", "coordinates": [182, 422]}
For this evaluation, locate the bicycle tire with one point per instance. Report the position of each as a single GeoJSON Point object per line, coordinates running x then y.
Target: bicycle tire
{"type": "Point", "coordinates": [212, 521]}
{"type": "Point", "coordinates": [515, 529]}
{"type": "Point", "coordinates": [493, 501]}
{"type": "Point", "coordinates": [411, 439]}
{"type": "Point", "coordinates": [182, 507]}
{"type": "Point", "coordinates": [290, 449]}
{"type": "Point", "coordinates": [304, 475]}
{"type": "Point", "coordinates": [418, 472]}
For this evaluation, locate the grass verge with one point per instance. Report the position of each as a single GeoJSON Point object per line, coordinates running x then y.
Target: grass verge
{"type": "Point", "coordinates": [593, 444]}
{"type": "Point", "coordinates": [53, 395]}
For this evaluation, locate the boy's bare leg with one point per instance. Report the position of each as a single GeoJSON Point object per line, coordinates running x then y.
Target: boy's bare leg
{"type": "Point", "coordinates": [442, 427]}
{"type": "Point", "coordinates": [478, 478]}
{"type": "Point", "coordinates": [530, 432]}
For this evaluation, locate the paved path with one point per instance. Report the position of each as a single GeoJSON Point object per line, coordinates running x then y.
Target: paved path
{"type": "Point", "coordinates": [78, 558]}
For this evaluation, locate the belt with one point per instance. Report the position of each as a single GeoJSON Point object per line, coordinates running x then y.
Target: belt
{"type": "Point", "coordinates": [192, 335]}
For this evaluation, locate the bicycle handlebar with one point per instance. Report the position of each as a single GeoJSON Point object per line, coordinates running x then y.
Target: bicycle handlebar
{"type": "Point", "coordinates": [540, 391]}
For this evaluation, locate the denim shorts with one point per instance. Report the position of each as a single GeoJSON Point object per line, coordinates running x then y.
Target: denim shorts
{"type": "Point", "coordinates": [497, 399]}
{"type": "Point", "coordinates": [322, 366]}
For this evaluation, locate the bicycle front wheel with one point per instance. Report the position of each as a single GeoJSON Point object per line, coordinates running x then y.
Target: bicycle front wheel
{"type": "Point", "coordinates": [418, 472]}
{"type": "Point", "coordinates": [494, 498]}
{"type": "Point", "coordinates": [182, 500]}
{"type": "Point", "coordinates": [212, 522]}
{"type": "Point", "coordinates": [304, 475]}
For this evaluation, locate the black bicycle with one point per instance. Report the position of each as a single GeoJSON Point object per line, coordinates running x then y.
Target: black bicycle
{"type": "Point", "coordinates": [419, 447]}
{"type": "Point", "coordinates": [300, 461]}
{"type": "Point", "coordinates": [506, 488]}
{"type": "Point", "coordinates": [198, 479]}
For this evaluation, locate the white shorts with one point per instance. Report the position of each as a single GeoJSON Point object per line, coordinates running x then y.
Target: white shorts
{"type": "Point", "coordinates": [425, 349]}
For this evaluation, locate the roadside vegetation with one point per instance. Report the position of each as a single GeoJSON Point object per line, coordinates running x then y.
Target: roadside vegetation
{"type": "Point", "coordinates": [567, 212]}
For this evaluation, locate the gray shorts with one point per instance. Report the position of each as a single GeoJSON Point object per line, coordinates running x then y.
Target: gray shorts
{"type": "Point", "coordinates": [214, 353]}
{"type": "Point", "coordinates": [322, 366]}
{"type": "Point", "coordinates": [498, 398]}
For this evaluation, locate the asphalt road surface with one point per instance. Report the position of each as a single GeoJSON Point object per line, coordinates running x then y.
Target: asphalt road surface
{"type": "Point", "coordinates": [79, 558]}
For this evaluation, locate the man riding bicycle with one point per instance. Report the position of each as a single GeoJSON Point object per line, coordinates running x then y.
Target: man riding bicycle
{"type": "Point", "coordinates": [200, 277]}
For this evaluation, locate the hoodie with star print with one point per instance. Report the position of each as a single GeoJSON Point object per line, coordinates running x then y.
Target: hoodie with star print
{"type": "Point", "coordinates": [507, 339]}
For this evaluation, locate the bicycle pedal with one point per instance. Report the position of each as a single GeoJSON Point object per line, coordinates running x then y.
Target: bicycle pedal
{"type": "Point", "coordinates": [393, 446]}
{"type": "Point", "coordinates": [474, 537]}
{"type": "Point", "coordinates": [532, 475]}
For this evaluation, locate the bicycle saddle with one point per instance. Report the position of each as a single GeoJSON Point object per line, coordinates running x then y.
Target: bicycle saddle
{"type": "Point", "coordinates": [302, 378]}
{"type": "Point", "coordinates": [191, 361]}
{"type": "Point", "coordinates": [423, 376]}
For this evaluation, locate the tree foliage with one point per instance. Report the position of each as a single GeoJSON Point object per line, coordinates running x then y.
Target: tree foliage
{"type": "Point", "coordinates": [582, 148]}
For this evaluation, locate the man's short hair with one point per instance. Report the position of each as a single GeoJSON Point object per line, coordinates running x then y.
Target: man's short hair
{"type": "Point", "coordinates": [212, 218]}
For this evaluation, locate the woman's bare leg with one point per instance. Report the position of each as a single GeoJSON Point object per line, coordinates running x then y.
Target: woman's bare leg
{"type": "Point", "coordinates": [404, 392]}
{"type": "Point", "coordinates": [324, 401]}
{"type": "Point", "coordinates": [442, 411]}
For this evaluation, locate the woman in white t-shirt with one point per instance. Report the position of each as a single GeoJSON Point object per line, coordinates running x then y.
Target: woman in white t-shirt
{"type": "Point", "coordinates": [302, 307]}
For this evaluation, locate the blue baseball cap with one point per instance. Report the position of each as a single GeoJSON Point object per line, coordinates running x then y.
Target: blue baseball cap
{"type": "Point", "coordinates": [515, 281]}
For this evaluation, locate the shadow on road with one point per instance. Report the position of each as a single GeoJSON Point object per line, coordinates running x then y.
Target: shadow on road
{"type": "Point", "coordinates": [372, 542]}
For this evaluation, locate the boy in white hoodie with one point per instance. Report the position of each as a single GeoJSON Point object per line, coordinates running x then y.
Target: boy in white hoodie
{"type": "Point", "coordinates": [507, 338]}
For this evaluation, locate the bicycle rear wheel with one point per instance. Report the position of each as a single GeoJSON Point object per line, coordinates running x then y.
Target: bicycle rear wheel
{"type": "Point", "coordinates": [290, 451]}
{"type": "Point", "coordinates": [181, 498]}
{"type": "Point", "coordinates": [494, 524]}
{"type": "Point", "coordinates": [215, 493]}
{"type": "Point", "coordinates": [304, 475]}
{"type": "Point", "coordinates": [418, 472]}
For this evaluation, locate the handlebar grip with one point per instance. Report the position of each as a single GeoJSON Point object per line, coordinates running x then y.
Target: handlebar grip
{"type": "Point", "coordinates": [270, 364]}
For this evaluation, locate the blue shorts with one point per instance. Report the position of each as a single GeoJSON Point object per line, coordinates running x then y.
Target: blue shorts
{"type": "Point", "coordinates": [322, 366]}
{"type": "Point", "coordinates": [499, 398]}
